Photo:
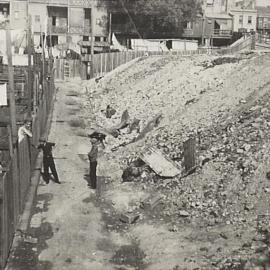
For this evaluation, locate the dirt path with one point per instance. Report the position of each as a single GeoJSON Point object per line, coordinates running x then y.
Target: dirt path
{"type": "Point", "coordinates": [67, 222]}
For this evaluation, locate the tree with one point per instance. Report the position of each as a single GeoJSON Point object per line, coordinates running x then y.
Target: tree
{"type": "Point", "coordinates": [161, 16]}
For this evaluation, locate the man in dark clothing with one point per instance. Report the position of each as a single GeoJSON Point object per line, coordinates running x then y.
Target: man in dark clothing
{"type": "Point", "coordinates": [95, 139]}
{"type": "Point", "coordinates": [48, 161]}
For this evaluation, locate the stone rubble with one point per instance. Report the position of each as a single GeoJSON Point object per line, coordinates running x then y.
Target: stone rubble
{"type": "Point", "coordinates": [228, 188]}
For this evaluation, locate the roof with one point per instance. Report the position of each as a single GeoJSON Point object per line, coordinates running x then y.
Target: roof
{"type": "Point", "coordinates": [243, 11]}
{"type": "Point", "coordinates": [263, 10]}
{"type": "Point", "coordinates": [96, 43]}
{"type": "Point", "coordinates": [218, 16]}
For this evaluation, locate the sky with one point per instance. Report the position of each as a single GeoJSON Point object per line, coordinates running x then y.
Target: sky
{"type": "Point", "coordinates": [263, 2]}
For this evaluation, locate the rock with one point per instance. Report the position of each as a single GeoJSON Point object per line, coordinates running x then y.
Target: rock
{"type": "Point", "coordinates": [68, 260]}
{"type": "Point", "coordinates": [173, 229]}
{"type": "Point", "coordinates": [129, 218]}
{"type": "Point", "coordinates": [151, 203]}
{"type": "Point", "coordinates": [223, 235]}
{"type": "Point", "coordinates": [183, 213]}
{"type": "Point", "coordinates": [248, 206]}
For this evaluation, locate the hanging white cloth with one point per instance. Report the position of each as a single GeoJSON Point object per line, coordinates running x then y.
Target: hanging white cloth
{"type": "Point", "coordinates": [3, 94]}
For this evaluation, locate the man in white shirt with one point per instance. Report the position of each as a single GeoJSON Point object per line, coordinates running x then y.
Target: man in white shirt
{"type": "Point", "coordinates": [25, 130]}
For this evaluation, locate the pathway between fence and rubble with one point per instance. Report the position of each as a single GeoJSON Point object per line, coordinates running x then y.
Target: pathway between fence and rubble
{"type": "Point", "coordinates": [67, 227]}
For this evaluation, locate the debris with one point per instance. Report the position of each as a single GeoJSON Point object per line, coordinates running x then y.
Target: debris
{"type": "Point", "coordinates": [159, 163]}
{"type": "Point", "coordinates": [173, 229]}
{"type": "Point", "coordinates": [30, 239]}
{"type": "Point", "coordinates": [124, 121]}
{"type": "Point", "coordinates": [129, 218]}
{"type": "Point", "coordinates": [134, 125]}
{"type": "Point", "coordinates": [152, 202]}
{"type": "Point", "coordinates": [130, 173]}
{"type": "Point", "coordinates": [220, 61]}
{"type": "Point", "coordinates": [183, 213]}
{"type": "Point", "coordinates": [150, 126]}
{"type": "Point", "coordinates": [193, 100]}
{"type": "Point", "coordinates": [223, 235]}
{"type": "Point", "coordinates": [110, 111]}
{"type": "Point", "coordinates": [98, 79]}
{"type": "Point", "coordinates": [68, 260]}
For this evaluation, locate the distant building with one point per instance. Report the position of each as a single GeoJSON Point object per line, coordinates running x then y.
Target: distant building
{"type": "Point", "coordinates": [244, 20]}
{"type": "Point", "coordinates": [214, 26]}
{"type": "Point", "coordinates": [263, 20]}
{"type": "Point", "coordinates": [244, 15]}
{"type": "Point", "coordinates": [62, 21]}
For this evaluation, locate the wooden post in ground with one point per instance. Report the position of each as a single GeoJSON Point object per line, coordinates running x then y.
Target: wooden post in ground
{"type": "Point", "coordinates": [29, 77]}
{"type": "Point", "coordinates": [189, 154]}
{"type": "Point", "coordinates": [13, 130]}
{"type": "Point", "coordinates": [12, 106]}
{"type": "Point", "coordinates": [92, 42]}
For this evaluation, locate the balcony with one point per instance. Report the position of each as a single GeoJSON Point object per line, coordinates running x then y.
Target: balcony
{"type": "Point", "coordinates": [222, 33]}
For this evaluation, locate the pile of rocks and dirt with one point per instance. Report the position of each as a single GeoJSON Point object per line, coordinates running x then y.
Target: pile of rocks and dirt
{"type": "Point", "coordinates": [226, 108]}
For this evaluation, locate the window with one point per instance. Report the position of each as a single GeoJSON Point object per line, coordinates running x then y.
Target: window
{"type": "Point", "coordinates": [105, 39]}
{"type": "Point", "coordinates": [37, 18]}
{"type": "Point", "coordinates": [16, 14]}
{"type": "Point", "coordinates": [85, 38]}
{"type": "Point", "coordinates": [241, 19]}
{"type": "Point", "coordinates": [97, 38]}
{"type": "Point", "coordinates": [249, 19]}
{"type": "Point", "coordinates": [53, 20]}
{"type": "Point", "coordinates": [188, 25]}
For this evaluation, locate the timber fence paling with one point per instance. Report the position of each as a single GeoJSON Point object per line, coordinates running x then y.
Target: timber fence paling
{"type": "Point", "coordinates": [7, 210]}
{"type": "Point", "coordinates": [15, 182]}
{"type": "Point", "coordinates": [106, 62]}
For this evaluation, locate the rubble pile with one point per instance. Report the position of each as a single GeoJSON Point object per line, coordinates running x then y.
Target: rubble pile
{"type": "Point", "coordinates": [227, 109]}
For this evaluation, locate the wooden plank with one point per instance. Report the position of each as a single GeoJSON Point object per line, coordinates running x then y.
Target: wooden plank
{"type": "Point", "coordinates": [189, 154]}
{"type": "Point", "coordinates": [160, 163]}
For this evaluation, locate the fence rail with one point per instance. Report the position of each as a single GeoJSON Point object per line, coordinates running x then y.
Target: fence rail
{"type": "Point", "coordinates": [106, 62]}
{"type": "Point", "coordinates": [15, 181]}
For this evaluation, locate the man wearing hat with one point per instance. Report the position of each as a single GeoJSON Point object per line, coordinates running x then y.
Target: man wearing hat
{"type": "Point", "coordinates": [96, 139]}
{"type": "Point", "coordinates": [48, 161]}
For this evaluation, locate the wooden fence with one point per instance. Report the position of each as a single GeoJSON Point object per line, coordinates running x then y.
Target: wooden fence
{"type": "Point", "coordinates": [15, 180]}
{"type": "Point", "coordinates": [106, 62]}
{"type": "Point", "coordinates": [103, 63]}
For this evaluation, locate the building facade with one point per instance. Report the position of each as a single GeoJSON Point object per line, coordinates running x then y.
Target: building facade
{"type": "Point", "coordinates": [244, 20]}
{"type": "Point", "coordinates": [62, 21]}
{"type": "Point", "coordinates": [263, 20]}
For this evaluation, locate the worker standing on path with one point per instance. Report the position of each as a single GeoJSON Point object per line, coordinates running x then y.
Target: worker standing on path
{"type": "Point", "coordinates": [96, 139]}
{"type": "Point", "coordinates": [48, 161]}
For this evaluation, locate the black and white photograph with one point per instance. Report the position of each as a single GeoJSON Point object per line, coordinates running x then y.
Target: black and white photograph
{"type": "Point", "coordinates": [134, 134]}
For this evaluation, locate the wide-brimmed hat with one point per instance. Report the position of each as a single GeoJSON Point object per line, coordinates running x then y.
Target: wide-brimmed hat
{"type": "Point", "coordinates": [42, 139]}
{"type": "Point", "coordinates": [96, 135]}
